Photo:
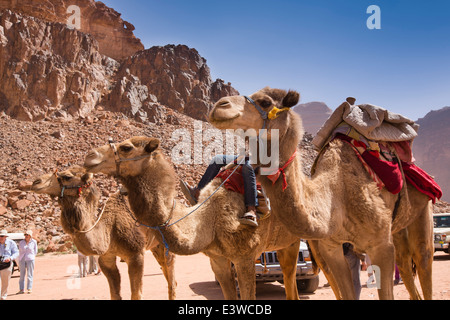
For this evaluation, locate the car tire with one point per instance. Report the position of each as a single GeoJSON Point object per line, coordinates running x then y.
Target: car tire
{"type": "Point", "coordinates": [308, 286]}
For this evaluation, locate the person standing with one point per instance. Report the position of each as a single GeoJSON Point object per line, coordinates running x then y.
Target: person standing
{"type": "Point", "coordinates": [83, 264]}
{"type": "Point", "coordinates": [28, 249]}
{"type": "Point", "coordinates": [8, 253]}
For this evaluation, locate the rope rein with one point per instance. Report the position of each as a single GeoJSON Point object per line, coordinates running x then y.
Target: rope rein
{"type": "Point", "coordinates": [167, 224]}
{"type": "Point", "coordinates": [98, 220]}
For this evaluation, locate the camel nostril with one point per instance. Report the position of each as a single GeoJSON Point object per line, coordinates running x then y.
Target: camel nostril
{"type": "Point", "coordinates": [37, 182]}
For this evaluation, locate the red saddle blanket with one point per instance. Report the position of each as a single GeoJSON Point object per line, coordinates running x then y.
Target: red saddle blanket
{"type": "Point", "coordinates": [236, 181]}
{"type": "Point", "coordinates": [422, 181]}
{"type": "Point", "coordinates": [388, 174]}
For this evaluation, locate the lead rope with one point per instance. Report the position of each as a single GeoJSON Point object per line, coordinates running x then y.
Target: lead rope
{"type": "Point", "coordinates": [167, 224]}
{"type": "Point", "coordinates": [98, 220]}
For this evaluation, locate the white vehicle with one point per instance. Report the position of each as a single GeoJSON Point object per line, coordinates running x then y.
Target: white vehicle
{"type": "Point", "coordinates": [16, 237]}
{"type": "Point", "coordinates": [442, 232]}
{"type": "Point", "coordinates": [268, 270]}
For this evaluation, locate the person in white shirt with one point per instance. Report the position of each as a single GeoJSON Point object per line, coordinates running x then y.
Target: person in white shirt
{"type": "Point", "coordinates": [28, 249]}
{"type": "Point", "coordinates": [8, 253]}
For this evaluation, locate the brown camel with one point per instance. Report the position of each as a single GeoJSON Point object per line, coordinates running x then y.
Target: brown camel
{"type": "Point", "coordinates": [340, 204]}
{"type": "Point", "coordinates": [212, 228]}
{"type": "Point", "coordinates": [113, 234]}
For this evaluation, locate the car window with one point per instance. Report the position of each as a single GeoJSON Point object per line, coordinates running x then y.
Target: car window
{"type": "Point", "coordinates": [442, 222]}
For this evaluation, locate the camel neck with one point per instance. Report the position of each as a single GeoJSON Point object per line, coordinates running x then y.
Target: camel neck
{"type": "Point", "coordinates": [296, 205]}
{"type": "Point", "coordinates": [146, 194]}
{"type": "Point", "coordinates": [78, 213]}
{"type": "Point", "coordinates": [151, 198]}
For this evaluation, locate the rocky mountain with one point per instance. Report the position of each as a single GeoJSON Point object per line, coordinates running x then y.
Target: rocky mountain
{"type": "Point", "coordinates": [314, 115]}
{"type": "Point", "coordinates": [49, 69]}
{"type": "Point", "coordinates": [89, 16]}
{"type": "Point", "coordinates": [432, 147]}
{"type": "Point", "coordinates": [174, 76]}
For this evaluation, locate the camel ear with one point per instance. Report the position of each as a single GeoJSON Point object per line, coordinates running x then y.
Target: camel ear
{"type": "Point", "coordinates": [87, 177]}
{"type": "Point", "coordinates": [152, 145]}
{"type": "Point", "coordinates": [291, 99]}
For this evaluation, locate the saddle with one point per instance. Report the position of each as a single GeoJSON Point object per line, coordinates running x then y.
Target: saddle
{"type": "Point", "coordinates": [235, 183]}
{"type": "Point", "coordinates": [388, 163]}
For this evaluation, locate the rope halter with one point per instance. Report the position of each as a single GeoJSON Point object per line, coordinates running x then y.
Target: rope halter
{"type": "Point", "coordinates": [119, 160]}
{"type": "Point", "coordinates": [63, 187]}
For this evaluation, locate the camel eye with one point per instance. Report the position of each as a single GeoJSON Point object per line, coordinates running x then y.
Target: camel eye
{"type": "Point", "coordinates": [264, 103]}
{"type": "Point", "coordinates": [66, 178]}
{"type": "Point", "coordinates": [126, 148]}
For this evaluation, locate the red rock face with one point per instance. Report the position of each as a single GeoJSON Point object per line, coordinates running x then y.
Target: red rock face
{"type": "Point", "coordinates": [51, 70]}
{"type": "Point", "coordinates": [95, 18]}
{"type": "Point", "coordinates": [173, 76]}
{"type": "Point", "coordinates": [47, 69]}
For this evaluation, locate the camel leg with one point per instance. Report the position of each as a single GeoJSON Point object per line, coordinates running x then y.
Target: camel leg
{"type": "Point", "coordinates": [167, 263]}
{"type": "Point", "coordinates": [109, 268]}
{"type": "Point", "coordinates": [225, 275]}
{"type": "Point", "coordinates": [314, 248]}
{"type": "Point", "coordinates": [336, 262]}
{"type": "Point", "coordinates": [288, 258]}
{"type": "Point", "coordinates": [136, 273]}
{"type": "Point", "coordinates": [382, 257]}
{"type": "Point", "coordinates": [403, 259]}
{"type": "Point", "coordinates": [421, 244]}
{"type": "Point", "coordinates": [246, 274]}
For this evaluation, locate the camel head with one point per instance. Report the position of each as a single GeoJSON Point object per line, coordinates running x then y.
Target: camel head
{"type": "Point", "coordinates": [125, 159]}
{"type": "Point", "coordinates": [240, 112]}
{"type": "Point", "coordinates": [70, 182]}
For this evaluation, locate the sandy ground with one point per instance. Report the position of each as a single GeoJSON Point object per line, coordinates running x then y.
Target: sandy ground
{"type": "Point", "coordinates": [55, 279]}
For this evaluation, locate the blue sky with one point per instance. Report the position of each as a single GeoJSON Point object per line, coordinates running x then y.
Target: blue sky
{"type": "Point", "coordinates": [321, 48]}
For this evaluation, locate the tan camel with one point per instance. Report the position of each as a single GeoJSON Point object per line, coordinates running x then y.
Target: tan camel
{"type": "Point", "coordinates": [415, 244]}
{"type": "Point", "coordinates": [340, 204]}
{"type": "Point", "coordinates": [212, 228]}
{"type": "Point", "coordinates": [115, 234]}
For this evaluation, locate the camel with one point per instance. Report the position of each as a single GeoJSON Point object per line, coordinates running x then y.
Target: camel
{"type": "Point", "coordinates": [113, 235]}
{"type": "Point", "coordinates": [340, 204]}
{"type": "Point", "coordinates": [415, 245]}
{"type": "Point", "coordinates": [211, 227]}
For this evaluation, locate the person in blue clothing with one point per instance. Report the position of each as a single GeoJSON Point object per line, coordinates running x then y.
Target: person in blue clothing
{"type": "Point", "coordinates": [8, 253]}
{"type": "Point", "coordinates": [28, 248]}
{"type": "Point", "coordinates": [251, 195]}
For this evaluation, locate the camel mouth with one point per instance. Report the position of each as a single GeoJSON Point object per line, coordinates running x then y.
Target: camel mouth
{"type": "Point", "coordinates": [92, 161]}
{"type": "Point", "coordinates": [36, 189]}
{"type": "Point", "coordinates": [39, 185]}
{"type": "Point", "coordinates": [221, 120]}
{"type": "Point", "coordinates": [215, 120]}
{"type": "Point", "coordinates": [90, 167]}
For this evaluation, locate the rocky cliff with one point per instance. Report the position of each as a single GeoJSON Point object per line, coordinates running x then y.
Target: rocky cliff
{"type": "Point", "coordinates": [48, 69]}
{"type": "Point", "coordinates": [114, 35]}
{"type": "Point", "coordinates": [173, 76]}
{"type": "Point", "coordinates": [432, 147]}
{"type": "Point", "coordinates": [51, 70]}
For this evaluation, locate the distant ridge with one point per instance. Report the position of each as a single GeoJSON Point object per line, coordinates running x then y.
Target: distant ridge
{"type": "Point", "coordinates": [314, 115]}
